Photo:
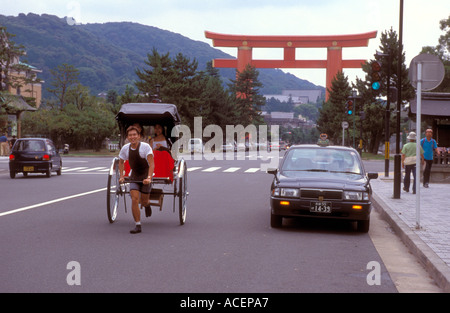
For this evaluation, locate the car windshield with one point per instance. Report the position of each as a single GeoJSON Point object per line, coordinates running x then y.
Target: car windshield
{"type": "Point", "coordinates": [30, 146]}
{"type": "Point", "coordinates": [322, 160]}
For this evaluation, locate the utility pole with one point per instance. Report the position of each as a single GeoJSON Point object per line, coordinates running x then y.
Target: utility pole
{"type": "Point", "coordinates": [352, 100]}
{"type": "Point", "coordinates": [387, 116]}
{"type": "Point", "coordinates": [397, 158]}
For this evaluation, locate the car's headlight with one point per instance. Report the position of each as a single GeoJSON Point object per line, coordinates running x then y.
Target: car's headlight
{"type": "Point", "coordinates": [286, 192]}
{"type": "Point", "coordinates": [356, 196]}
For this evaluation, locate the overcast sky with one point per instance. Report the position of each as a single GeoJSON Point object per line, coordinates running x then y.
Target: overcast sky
{"type": "Point", "coordinates": [263, 17]}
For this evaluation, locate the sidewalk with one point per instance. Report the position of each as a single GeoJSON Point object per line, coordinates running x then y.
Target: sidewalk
{"type": "Point", "coordinates": [431, 242]}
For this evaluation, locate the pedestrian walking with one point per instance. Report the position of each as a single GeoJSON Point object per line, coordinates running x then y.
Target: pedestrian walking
{"type": "Point", "coordinates": [409, 161]}
{"type": "Point", "coordinates": [429, 145]}
{"type": "Point", "coordinates": [4, 145]}
{"type": "Point", "coordinates": [12, 142]}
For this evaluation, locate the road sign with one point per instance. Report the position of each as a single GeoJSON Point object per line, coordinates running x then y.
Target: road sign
{"type": "Point", "coordinates": [344, 127]}
{"type": "Point", "coordinates": [433, 71]}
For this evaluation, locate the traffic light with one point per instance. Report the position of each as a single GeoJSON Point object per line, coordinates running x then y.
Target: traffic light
{"type": "Point", "coordinates": [376, 76]}
{"type": "Point", "coordinates": [393, 94]}
{"type": "Point", "coordinates": [349, 107]}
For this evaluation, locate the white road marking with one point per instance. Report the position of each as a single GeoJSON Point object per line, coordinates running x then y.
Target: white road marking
{"type": "Point", "coordinates": [30, 207]}
{"type": "Point", "coordinates": [211, 169]}
{"type": "Point", "coordinates": [232, 169]}
{"type": "Point", "coordinates": [74, 169]}
{"type": "Point", "coordinates": [94, 169]}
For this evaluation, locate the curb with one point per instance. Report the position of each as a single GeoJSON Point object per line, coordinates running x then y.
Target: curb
{"type": "Point", "coordinates": [432, 263]}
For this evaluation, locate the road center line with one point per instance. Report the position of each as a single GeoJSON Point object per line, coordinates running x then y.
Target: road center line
{"type": "Point", "coordinates": [51, 202]}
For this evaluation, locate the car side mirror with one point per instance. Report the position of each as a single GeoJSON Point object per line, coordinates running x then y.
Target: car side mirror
{"type": "Point", "coordinates": [272, 171]}
{"type": "Point", "coordinates": [372, 175]}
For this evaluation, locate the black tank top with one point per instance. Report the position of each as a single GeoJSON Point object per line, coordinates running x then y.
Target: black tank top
{"type": "Point", "coordinates": [138, 165]}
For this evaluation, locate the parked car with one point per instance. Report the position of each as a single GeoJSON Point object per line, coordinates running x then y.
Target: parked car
{"type": "Point", "coordinates": [34, 155]}
{"type": "Point", "coordinates": [274, 145]}
{"type": "Point", "coordinates": [196, 145]}
{"type": "Point", "coordinates": [229, 146]}
{"type": "Point", "coordinates": [241, 146]}
{"type": "Point", "coordinates": [261, 146]}
{"type": "Point", "coordinates": [321, 182]}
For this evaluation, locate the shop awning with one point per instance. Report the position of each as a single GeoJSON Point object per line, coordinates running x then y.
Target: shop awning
{"type": "Point", "coordinates": [433, 104]}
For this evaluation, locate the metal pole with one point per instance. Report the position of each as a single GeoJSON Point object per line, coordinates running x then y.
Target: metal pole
{"type": "Point", "coordinates": [418, 133]}
{"type": "Point", "coordinates": [398, 158]}
{"type": "Point", "coordinates": [354, 123]}
{"type": "Point", "coordinates": [387, 142]}
{"type": "Point", "coordinates": [361, 112]}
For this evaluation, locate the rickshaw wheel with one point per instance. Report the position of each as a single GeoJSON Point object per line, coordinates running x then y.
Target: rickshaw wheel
{"type": "Point", "coordinates": [113, 191]}
{"type": "Point", "coordinates": [182, 194]}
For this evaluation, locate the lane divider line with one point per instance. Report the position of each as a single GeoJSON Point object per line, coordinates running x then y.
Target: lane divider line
{"type": "Point", "coordinates": [51, 202]}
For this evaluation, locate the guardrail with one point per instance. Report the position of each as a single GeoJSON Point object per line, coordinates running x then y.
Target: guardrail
{"type": "Point", "coordinates": [442, 156]}
{"type": "Point", "coordinates": [113, 147]}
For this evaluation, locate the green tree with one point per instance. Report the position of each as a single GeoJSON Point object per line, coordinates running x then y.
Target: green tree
{"type": "Point", "coordinates": [180, 83]}
{"type": "Point", "coordinates": [112, 97]}
{"type": "Point", "coordinates": [80, 96]}
{"type": "Point", "coordinates": [217, 105]}
{"type": "Point", "coordinates": [248, 100]}
{"type": "Point", "coordinates": [63, 78]}
{"type": "Point", "coordinates": [442, 50]}
{"type": "Point", "coordinates": [332, 113]}
{"type": "Point", "coordinates": [195, 93]}
{"type": "Point", "coordinates": [308, 110]}
{"type": "Point", "coordinates": [10, 53]}
{"type": "Point", "coordinates": [127, 97]}
{"type": "Point", "coordinates": [370, 102]}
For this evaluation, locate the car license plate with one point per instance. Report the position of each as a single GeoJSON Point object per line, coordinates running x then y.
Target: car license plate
{"type": "Point", "coordinates": [28, 168]}
{"type": "Point", "coordinates": [320, 207]}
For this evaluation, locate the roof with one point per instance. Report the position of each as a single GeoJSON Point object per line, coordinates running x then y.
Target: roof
{"type": "Point", "coordinates": [15, 103]}
{"type": "Point", "coordinates": [322, 147]}
{"type": "Point", "coordinates": [433, 104]}
{"type": "Point", "coordinates": [297, 96]}
{"type": "Point", "coordinates": [149, 113]}
{"type": "Point", "coordinates": [282, 115]}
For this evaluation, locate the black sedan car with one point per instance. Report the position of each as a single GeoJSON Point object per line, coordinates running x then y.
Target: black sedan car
{"type": "Point", "coordinates": [34, 155]}
{"type": "Point", "coordinates": [322, 182]}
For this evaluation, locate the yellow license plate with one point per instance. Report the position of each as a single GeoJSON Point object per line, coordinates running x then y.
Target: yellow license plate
{"type": "Point", "coordinates": [28, 168]}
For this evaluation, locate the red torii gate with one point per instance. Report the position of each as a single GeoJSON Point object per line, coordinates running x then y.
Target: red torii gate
{"type": "Point", "coordinates": [334, 45]}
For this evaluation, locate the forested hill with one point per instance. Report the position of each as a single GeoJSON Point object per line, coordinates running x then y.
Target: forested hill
{"type": "Point", "coordinates": [108, 54]}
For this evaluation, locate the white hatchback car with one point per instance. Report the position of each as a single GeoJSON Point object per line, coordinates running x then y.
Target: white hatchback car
{"type": "Point", "coordinates": [196, 145]}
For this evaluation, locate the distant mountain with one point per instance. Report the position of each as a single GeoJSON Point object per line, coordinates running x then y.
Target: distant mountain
{"type": "Point", "coordinates": [107, 55]}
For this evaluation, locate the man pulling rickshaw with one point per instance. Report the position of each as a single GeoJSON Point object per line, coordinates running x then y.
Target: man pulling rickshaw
{"type": "Point", "coordinates": [152, 170]}
{"type": "Point", "coordinates": [140, 157]}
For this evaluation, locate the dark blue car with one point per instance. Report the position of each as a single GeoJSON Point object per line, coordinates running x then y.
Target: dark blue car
{"type": "Point", "coordinates": [34, 155]}
{"type": "Point", "coordinates": [321, 182]}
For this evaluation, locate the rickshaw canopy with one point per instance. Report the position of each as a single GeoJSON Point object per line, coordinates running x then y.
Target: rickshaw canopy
{"type": "Point", "coordinates": [148, 114]}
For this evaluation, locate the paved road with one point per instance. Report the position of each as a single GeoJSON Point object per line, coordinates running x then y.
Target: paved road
{"type": "Point", "coordinates": [226, 244]}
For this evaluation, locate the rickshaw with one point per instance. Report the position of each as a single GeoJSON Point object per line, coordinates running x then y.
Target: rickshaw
{"type": "Point", "coordinates": [170, 175]}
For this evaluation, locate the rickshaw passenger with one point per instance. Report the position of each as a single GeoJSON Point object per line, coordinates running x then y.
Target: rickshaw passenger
{"type": "Point", "coordinates": [140, 157]}
{"type": "Point", "coordinates": [160, 142]}
{"type": "Point", "coordinates": [165, 161]}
